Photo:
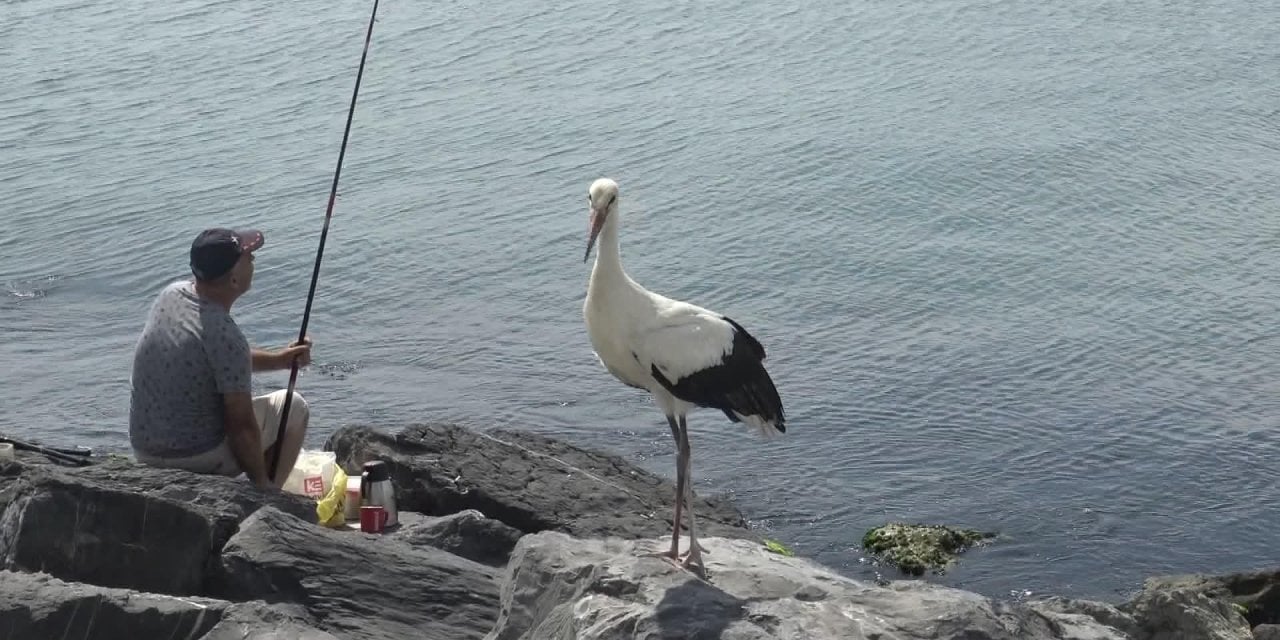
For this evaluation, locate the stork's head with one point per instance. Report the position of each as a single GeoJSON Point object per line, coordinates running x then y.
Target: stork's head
{"type": "Point", "coordinates": [604, 203]}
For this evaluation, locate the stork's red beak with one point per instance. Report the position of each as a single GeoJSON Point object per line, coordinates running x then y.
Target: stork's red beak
{"type": "Point", "coordinates": [597, 223]}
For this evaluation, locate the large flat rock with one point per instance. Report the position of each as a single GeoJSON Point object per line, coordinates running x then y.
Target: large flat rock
{"type": "Point", "coordinates": [359, 585]}
{"type": "Point", "coordinates": [562, 588]}
{"type": "Point", "coordinates": [527, 481]}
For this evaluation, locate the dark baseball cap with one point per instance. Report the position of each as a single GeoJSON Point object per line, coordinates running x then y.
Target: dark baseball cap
{"type": "Point", "coordinates": [215, 251]}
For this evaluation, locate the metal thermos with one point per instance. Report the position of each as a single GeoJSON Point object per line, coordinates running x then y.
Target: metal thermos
{"type": "Point", "coordinates": [376, 489]}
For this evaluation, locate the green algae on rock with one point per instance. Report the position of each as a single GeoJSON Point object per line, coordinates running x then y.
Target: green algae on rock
{"type": "Point", "coordinates": [914, 548]}
{"type": "Point", "coordinates": [778, 548]}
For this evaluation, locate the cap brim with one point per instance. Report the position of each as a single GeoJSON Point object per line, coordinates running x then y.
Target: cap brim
{"type": "Point", "coordinates": [250, 239]}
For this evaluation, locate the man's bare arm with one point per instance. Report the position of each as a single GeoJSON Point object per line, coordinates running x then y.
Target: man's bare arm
{"type": "Point", "coordinates": [264, 359]}
{"type": "Point", "coordinates": [272, 359]}
{"type": "Point", "coordinates": [244, 437]}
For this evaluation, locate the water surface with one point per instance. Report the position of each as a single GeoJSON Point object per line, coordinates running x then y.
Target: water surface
{"type": "Point", "coordinates": [1013, 263]}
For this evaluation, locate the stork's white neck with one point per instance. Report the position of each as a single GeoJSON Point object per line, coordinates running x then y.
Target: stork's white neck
{"type": "Point", "coordinates": [608, 255]}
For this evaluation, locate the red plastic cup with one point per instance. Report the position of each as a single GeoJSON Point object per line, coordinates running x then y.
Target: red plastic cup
{"type": "Point", "coordinates": [372, 518]}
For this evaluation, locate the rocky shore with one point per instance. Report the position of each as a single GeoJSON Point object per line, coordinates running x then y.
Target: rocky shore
{"type": "Point", "coordinates": [504, 536]}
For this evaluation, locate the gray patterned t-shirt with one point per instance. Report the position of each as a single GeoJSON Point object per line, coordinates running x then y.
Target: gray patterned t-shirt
{"type": "Point", "coordinates": [190, 352]}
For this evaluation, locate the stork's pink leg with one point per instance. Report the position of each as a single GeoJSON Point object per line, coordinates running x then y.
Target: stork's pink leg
{"type": "Point", "coordinates": [681, 484]}
{"type": "Point", "coordinates": [693, 560]}
{"type": "Point", "coordinates": [674, 554]}
{"type": "Point", "coordinates": [688, 507]}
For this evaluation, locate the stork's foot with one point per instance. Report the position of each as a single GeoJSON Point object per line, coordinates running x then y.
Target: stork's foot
{"type": "Point", "coordinates": [671, 555]}
{"type": "Point", "coordinates": [692, 561]}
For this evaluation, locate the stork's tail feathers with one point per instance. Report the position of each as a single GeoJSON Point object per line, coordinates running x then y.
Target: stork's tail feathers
{"type": "Point", "coordinates": [765, 428]}
{"type": "Point", "coordinates": [758, 406]}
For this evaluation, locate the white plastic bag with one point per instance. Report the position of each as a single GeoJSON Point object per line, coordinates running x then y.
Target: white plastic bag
{"type": "Point", "coordinates": [312, 476]}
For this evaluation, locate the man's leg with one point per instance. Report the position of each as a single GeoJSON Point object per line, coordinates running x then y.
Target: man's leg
{"type": "Point", "coordinates": [268, 408]}
{"type": "Point", "coordinates": [219, 461]}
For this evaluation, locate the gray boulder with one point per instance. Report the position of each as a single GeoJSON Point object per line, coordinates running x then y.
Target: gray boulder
{"type": "Point", "coordinates": [1237, 606]}
{"type": "Point", "coordinates": [38, 606]}
{"type": "Point", "coordinates": [467, 533]}
{"type": "Point", "coordinates": [358, 585]}
{"type": "Point", "coordinates": [1060, 608]}
{"type": "Point", "coordinates": [1267, 632]}
{"type": "Point", "coordinates": [1208, 607]}
{"type": "Point", "coordinates": [557, 587]}
{"type": "Point", "coordinates": [35, 606]}
{"type": "Point", "coordinates": [1255, 594]}
{"type": "Point", "coordinates": [120, 524]}
{"type": "Point", "coordinates": [1185, 614]}
{"type": "Point", "coordinates": [258, 621]}
{"type": "Point", "coordinates": [530, 482]}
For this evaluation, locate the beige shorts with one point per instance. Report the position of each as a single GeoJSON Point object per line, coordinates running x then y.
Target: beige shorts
{"type": "Point", "coordinates": [220, 460]}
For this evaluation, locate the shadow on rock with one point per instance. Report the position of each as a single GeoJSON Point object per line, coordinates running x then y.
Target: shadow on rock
{"type": "Point", "coordinates": [697, 611]}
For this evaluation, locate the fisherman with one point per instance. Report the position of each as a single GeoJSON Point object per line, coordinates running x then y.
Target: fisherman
{"type": "Point", "coordinates": [190, 404]}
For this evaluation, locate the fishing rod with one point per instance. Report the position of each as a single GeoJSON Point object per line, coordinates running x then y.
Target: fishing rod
{"type": "Point", "coordinates": [79, 456]}
{"type": "Point", "coordinates": [315, 271]}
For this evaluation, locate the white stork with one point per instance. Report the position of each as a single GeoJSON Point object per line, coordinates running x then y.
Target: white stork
{"type": "Point", "coordinates": [683, 355]}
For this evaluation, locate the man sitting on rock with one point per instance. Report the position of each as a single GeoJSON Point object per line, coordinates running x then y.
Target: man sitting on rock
{"type": "Point", "coordinates": [191, 405]}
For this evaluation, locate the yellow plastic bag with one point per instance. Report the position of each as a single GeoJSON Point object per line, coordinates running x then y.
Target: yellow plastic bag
{"type": "Point", "coordinates": [329, 509]}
